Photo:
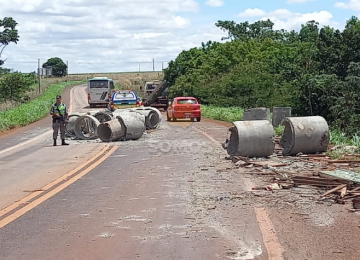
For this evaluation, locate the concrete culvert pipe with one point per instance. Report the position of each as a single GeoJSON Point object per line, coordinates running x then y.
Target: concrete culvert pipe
{"type": "Point", "coordinates": [152, 119]}
{"type": "Point", "coordinates": [134, 126]}
{"type": "Point", "coordinates": [279, 113]}
{"type": "Point", "coordinates": [70, 126]}
{"type": "Point", "coordinates": [307, 135]}
{"type": "Point", "coordinates": [110, 131]}
{"type": "Point", "coordinates": [251, 139]}
{"type": "Point", "coordinates": [86, 127]}
{"type": "Point", "coordinates": [130, 112]}
{"type": "Point", "coordinates": [103, 116]}
{"type": "Point", "coordinates": [153, 109]}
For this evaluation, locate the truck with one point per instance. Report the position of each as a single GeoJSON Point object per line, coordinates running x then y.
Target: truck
{"type": "Point", "coordinates": [156, 94]}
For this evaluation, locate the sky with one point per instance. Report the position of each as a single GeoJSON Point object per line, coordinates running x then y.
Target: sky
{"type": "Point", "coordinates": [127, 35]}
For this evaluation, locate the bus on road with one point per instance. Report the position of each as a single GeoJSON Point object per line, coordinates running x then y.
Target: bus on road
{"type": "Point", "coordinates": [99, 91]}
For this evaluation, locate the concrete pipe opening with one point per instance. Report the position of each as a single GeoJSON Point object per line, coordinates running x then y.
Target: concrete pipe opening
{"type": "Point", "coordinates": [134, 126]}
{"type": "Point", "coordinates": [110, 131]}
{"type": "Point", "coordinates": [151, 117]}
{"type": "Point", "coordinates": [86, 127]}
{"type": "Point", "coordinates": [153, 109]}
{"type": "Point", "coordinates": [103, 116]}
{"type": "Point", "coordinates": [307, 135]}
{"type": "Point", "coordinates": [70, 126]}
{"type": "Point", "coordinates": [251, 139]}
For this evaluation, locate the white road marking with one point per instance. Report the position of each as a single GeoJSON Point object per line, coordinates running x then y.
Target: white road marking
{"type": "Point", "coordinates": [41, 135]}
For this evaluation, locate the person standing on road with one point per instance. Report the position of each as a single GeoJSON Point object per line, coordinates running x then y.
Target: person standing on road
{"type": "Point", "coordinates": [60, 118]}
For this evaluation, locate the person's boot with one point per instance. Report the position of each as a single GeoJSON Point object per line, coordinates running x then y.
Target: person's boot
{"type": "Point", "coordinates": [54, 142]}
{"type": "Point", "coordinates": [63, 142]}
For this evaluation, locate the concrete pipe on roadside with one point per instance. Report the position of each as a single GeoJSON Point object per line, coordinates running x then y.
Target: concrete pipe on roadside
{"type": "Point", "coordinates": [70, 126]}
{"type": "Point", "coordinates": [257, 113]}
{"type": "Point", "coordinates": [134, 126]}
{"type": "Point", "coordinates": [307, 135]}
{"type": "Point", "coordinates": [152, 119]}
{"type": "Point", "coordinates": [279, 113]}
{"type": "Point", "coordinates": [251, 139]}
{"type": "Point", "coordinates": [130, 112]}
{"type": "Point", "coordinates": [86, 127]}
{"type": "Point", "coordinates": [103, 116]}
{"type": "Point", "coordinates": [110, 131]}
{"type": "Point", "coordinates": [153, 109]}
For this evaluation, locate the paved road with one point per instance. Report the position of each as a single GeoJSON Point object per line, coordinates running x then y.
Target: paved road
{"type": "Point", "coordinates": [169, 195]}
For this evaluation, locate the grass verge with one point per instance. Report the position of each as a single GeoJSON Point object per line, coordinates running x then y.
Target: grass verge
{"type": "Point", "coordinates": [34, 110]}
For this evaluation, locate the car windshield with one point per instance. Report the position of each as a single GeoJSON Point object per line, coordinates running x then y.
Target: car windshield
{"type": "Point", "coordinates": [124, 96]}
{"type": "Point", "coordinates": [99, 84]}
{"type": "Point", "coordinates": [186, 101]}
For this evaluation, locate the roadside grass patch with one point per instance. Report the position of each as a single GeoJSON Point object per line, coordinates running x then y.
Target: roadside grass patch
{"type": "Point", "coordinates": [228, 114]}
{"type": "Point", "coordinates": [34, 110]}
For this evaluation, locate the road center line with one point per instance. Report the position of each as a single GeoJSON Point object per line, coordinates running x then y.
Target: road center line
{"type": "Point", "coordinates": [52, 184]}
{"type": "Point", "coordinates": [53, 192]}
{"type": "Point", "coordinates": [270, 239]}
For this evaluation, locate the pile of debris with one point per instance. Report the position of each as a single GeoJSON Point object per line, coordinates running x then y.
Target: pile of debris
{"type": "Point", "coordinates": [122, 124]}
{"type": "Point", "coordinates": [336, 180]}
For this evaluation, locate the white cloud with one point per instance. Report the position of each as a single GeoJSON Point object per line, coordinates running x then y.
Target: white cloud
{"type": "Point", "coordinates": [352, 4]}
{"type": "Point", "coordinates": [252, 13]}
{"type": "Point", "coordinates": [103, 37]}
{"type": "Point", "coordinates": [298, 1]}
{"type": "Point", "coordinates": [285, 19]}
{"type": "Point", "coordinates": [215, 2]}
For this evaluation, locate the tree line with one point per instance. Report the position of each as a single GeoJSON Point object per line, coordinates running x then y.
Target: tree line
{"type": "Point", "coordinates": [316, 71]}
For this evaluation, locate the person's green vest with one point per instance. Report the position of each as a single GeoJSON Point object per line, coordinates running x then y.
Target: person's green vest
{"type": "Point", "coordinates": [61, 108]}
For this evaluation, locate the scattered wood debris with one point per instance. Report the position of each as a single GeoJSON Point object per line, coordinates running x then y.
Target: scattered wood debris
{"type": "Point", "coordinates": [321, 172]}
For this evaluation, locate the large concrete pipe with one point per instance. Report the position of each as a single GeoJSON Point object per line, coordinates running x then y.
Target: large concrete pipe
{"type": "Point", "coordinates": [103, 116]}
{"type": "Point", "coordinates": [133, 113]}
{"type": "Point", "coordinates": [69, 127]}
{"type": "Point", "coordinates": [151, 108]}
{"type": "Point", "coordinates": [86, 127]}
{"type": "Point", "coordinates": [258, 113]}
{"type": "Point", "coordinates": [307, 135]}
{"type": "Point", "coordinates": [251, 139]}
{"type": "Point", "coordinates": [134, 126]}
{"type": "Point", "coordinates": [152, 119]}
{"type": "Point", "coordinates": [110, 131]}
{"type": "Point", "coordinates": [279, 113]}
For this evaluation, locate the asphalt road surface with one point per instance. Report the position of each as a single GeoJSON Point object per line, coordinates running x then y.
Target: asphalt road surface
{"type": "Point", "coordinates": [169, 195]}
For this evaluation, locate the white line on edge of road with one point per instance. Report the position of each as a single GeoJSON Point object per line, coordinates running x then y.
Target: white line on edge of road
{"type": "Point", "coordinates": [39, 136]}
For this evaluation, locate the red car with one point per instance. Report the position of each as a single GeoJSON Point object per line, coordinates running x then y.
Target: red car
{"type": "Point", "coordinates": [183, 108]}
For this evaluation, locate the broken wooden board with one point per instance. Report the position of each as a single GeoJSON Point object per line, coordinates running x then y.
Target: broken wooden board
{"type": "Point", "coordinates": [267, 163]}
{"type": "Point", "coordinates": [344, 175]}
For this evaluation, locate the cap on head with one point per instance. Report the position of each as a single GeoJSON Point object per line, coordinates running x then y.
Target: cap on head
{"type": "Point", "coordinates": [58, 96]}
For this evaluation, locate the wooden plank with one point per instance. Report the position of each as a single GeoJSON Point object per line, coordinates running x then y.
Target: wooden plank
{"type": "Point", "coordinates": [333, 190]}
{"type": "Point", "coordinates": [268, 162]}
{"type": "Point", "coordinates": [343, 161]}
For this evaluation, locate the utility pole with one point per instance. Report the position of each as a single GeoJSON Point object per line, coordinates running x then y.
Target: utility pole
{"type": "Point", "coordinates": [67, 69]}
{"type": "Point", "coordinates": [139, 66]}
{"type": "Point", "coordinates": [39, 74]}
{"type": "Point", "coordinates": [162, 65]}
{"type": "Point", "coordinates": [153, 64]}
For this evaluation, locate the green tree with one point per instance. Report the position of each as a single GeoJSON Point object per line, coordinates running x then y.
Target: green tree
{"type": "Point", "coordinates": [59, 68]}
{"type": "Point", "coordinates": [8, 34]}
{"type": "Point", "coordinates": [14, 86]}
